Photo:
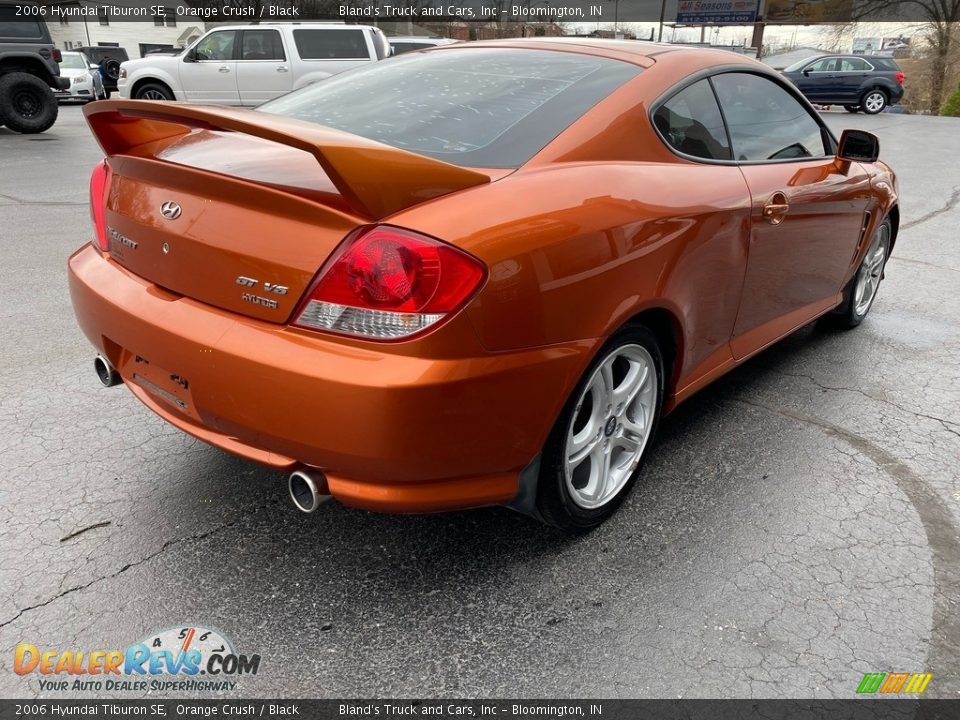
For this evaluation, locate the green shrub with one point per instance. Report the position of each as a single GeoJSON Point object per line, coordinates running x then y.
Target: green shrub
{"type": "Point", "coordinates": [952, 106]}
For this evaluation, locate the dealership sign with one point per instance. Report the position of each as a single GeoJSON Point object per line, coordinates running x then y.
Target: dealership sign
{"type": "Point", "coordinates": [715, 12]}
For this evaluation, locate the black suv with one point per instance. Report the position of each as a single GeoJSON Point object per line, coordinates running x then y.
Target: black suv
{"type": "Point", "coordinates": [858, 82]}
{"type": "Point", "coordinates": [109, 59]}
{"type": "Point", "coordinates": [28, 69]}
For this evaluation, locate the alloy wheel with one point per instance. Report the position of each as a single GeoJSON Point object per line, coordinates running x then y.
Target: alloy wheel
{"type": "Point", "coordinates": [874, 102]}
{"type": "Point", "coordinates": [610, 426]}
{"type": "Point", "coordinates": [871, 270]}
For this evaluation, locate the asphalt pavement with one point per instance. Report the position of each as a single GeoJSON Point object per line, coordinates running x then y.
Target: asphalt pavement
{"type": "Point", "coordinates": [797, 526]}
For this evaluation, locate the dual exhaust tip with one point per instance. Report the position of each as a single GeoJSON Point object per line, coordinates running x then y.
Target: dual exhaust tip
{"type": "Point", "coordinates": [307, 487]}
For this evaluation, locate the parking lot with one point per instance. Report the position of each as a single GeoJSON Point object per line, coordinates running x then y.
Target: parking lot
{"type": "Point", "coordinates": [798, 524]}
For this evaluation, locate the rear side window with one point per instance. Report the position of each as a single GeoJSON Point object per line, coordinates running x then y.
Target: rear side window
{"type": "Point", "coordinates": [473, 107]}
{"type": "Point", "coordinates": [765, 121]}
{"type": "Point", "coordinates": [331, 44]}
{"type": "Point", "coordinates": [18, 26]}
{"type": "Point", "coordinates": [691, 122]}
{"type": "Point", "coordinates": [261, 45]}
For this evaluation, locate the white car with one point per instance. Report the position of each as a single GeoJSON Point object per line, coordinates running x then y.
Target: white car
{"type": "Point", "coordinates": [85, 80]}
{"type": "Point", "coordinates": [250, 64]}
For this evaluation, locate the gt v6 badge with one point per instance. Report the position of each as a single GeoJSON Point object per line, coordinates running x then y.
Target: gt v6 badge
{"type": "Point", "coordinates": [268, 287]}
{"type": "Point", "coordinates": [249, 282]}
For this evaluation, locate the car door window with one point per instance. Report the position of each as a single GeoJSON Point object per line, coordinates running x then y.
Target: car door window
{"type": "Point", "coordinates": [262, 45]}
{"type": "Point", "coordinates": [824, 65]}
{"type": "Point", "coordinates": [854, 65]}
{"type": "Point", "coordinates": [331, 44]}
{"type": "Point", "coordinates": [691, 123]}
{"type": "Point", "coordinates": [765, 121]}
{"type": "Point", "coordinates": [217, 46]}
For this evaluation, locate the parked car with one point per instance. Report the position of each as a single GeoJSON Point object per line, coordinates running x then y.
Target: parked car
{"type": "Point", "coordinates": [249, 64]}
{"type": "Point", "coordinates": [108, 58]}
{"type": "Point", "coordinates": [29, 68]}
{"type": "Point", "coordinates": [409, 43]}
{"type": "Point", "coordinates": [858, 82]}
{"type": "Point", "coordinates": [85, 81]}
{"type": "Point", "coordinates": [417, 288]}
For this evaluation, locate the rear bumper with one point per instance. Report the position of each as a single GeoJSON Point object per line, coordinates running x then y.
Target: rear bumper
{"type": "Point", "coordinates": [392, 432]}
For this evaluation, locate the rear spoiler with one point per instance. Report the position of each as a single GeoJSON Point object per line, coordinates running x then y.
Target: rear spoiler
{"type": "Point", "coordinates": [376, 180]}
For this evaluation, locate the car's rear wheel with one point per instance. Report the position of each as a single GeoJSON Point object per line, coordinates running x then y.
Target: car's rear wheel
{"type": "Point", "coordinates": [852, 108]}
{"type": "Point", "coordinates": [27, 104]}
{"type": "Point", "coordinates": [595, 450]}
{"type": "Point", "coordinates": [861, 291]}
{"type": "Point", "coordinates": [873, 101]}
{"type": "Point", "coordinates": [153, 91]}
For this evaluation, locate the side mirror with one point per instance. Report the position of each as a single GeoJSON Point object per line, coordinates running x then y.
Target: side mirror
{"type": "Point", "coordinates": [94, 67]}
{"type": "Point", "coordinates": [190, 56]}
{"type": "Point", "coordinates": [859, 146]}
{"type": "Point", "coordinates": [806, 72]}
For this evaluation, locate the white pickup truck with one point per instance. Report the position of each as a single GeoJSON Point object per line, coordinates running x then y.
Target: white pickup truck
{"type": "Point", "coordinates": [250, 64]}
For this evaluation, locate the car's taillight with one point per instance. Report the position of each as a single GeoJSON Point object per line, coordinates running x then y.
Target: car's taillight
{"type": "Point", "coordinates": [387, 283]}
{"type": "Point", "coordinates": [901, 76]}
{"type": "Point", "coordinates": [57, 55]}
{"type": "Point", "coordinates": [99, 188]}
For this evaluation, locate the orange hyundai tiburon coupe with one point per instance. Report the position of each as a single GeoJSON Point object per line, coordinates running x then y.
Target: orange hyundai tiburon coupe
{"type": "Point", "coordinates": [474, 275]}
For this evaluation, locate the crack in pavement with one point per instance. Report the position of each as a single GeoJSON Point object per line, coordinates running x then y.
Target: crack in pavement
{"type": "Point", "coordinates": [61, 203]}
{"type": "Point", "coordinates": [943, 538]}
{"type": "Point", "coordinates": [81, 531]}
{"type": "Point", "coordinates": [163, 548]}
{"type": "Point", "coordinates": [947, 424]}
{"type": "Point", "coordinates": [951, 203]}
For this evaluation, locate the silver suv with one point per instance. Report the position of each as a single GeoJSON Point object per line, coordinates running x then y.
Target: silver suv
{"type": "Point", "coordinates": [29, 67]}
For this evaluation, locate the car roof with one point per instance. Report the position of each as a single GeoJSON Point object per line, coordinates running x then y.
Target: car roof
{"type": "Point", "coordinates": [639, 52]}
{"type": "Point", "coordinates": [293, 25]}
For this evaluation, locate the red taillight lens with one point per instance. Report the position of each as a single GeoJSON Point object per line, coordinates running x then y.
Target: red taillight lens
{"type": "Point", "coordinates": [99, 188]}
{"type": "Point", "coordinates": [901, 76]}
{"type": "Point", "coordinates": [388, 283]}
{"type": "Point", "coordinates": [57, 55]}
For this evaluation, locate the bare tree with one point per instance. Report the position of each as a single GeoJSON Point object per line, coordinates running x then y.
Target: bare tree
{"type": "Point", "coordinates": [940, 18]}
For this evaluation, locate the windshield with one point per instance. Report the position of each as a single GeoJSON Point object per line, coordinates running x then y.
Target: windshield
{"type": "Point", "coordinates": [74, 61]}
{"type": "Point", "coordinates": [481, 107]}
{"type": "Point", "coordinates": [800, 65]}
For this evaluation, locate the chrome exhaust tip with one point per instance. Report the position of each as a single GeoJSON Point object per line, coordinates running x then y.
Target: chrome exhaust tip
{"type": "Point", "coordinates": [106, 373]}
{"type": "Point", "coordinates": [308, 489]}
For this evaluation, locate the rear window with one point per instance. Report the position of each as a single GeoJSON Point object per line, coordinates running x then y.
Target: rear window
{"type": "Point", "coordinates": [884, 63]}
{"type": "Point", "coordinates": [331, 44]}
{"type": "Point", "coordinates": [471, 107]}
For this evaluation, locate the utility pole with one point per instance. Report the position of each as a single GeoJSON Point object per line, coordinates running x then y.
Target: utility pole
{"type": "Point", "coordinates": [663, 12]}
{"type": "Point", "coordinates": [758, 26]}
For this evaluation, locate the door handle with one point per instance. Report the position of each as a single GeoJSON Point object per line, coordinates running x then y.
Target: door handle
{"type": "Point", "coordinates": [776, 208]}
{"type": "Point", "coordinates": [283, 68]}
{"type": "Point", "coordinates": [224, 68]}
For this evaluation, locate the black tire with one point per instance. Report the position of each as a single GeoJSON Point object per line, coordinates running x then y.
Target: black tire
{"type": "Point", "coordinates": [874, 101]}
{"type": "Point", "coordinates": [850, 313]}
{"type": "Point", "coordinates": [153, 91]}
{"type": "Point", "coordinates": [852, 108]}
{"type": "Point", "coordinates": [555, 501]}
{"type": "Point", "coordinates": [27, 104]}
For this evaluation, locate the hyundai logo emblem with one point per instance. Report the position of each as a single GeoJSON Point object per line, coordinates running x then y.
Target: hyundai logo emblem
{"type": "Point", "coordinates": [170, 210]}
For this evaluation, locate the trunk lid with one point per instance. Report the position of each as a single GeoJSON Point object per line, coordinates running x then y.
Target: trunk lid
{"type": "Point", "coordinates": [239, 209]}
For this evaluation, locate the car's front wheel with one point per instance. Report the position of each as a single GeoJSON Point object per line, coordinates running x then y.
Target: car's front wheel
{"type": "Point", "coordinates": [861, 291]}
{"type": "Point", "coordinates": [873, 101]}
{"type": "Point", "coordinates": [595, 450]}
